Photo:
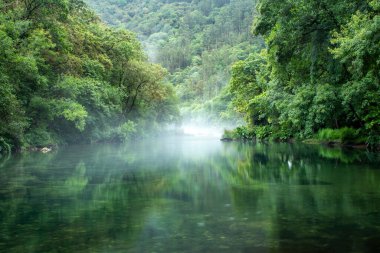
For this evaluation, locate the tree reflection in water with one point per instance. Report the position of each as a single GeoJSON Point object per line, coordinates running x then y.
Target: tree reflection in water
{"type": "Point", "coordinates": [191, 195]}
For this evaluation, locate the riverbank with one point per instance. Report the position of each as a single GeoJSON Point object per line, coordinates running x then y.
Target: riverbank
{"type": "Point", "coordinates": [344, 138]}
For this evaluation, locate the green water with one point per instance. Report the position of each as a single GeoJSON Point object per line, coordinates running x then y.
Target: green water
{"type": "Point", "coordinates": [191, 195]}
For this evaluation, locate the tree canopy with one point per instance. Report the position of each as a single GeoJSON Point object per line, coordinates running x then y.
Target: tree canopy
{"type": "Point", "coordinates": [319, 69]}
{"type": "Point", "coordinates": [291, 69]}
{"type": "Point", "coordinates": [197, 41]}
{"type": "Point", "coordinates": [66, 77]}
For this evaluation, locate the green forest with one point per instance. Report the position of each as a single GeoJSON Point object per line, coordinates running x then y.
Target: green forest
{"type": "Point", "coordinates": [284, 70]}
{"type": "Point", "coordinates": [66, 77]}
{"type": "Point", "coordinates": [317, 77]}
{"type": "Point", "coordinates": [291, 69]}
{"type": "Point", "coordinates": [196, 41]}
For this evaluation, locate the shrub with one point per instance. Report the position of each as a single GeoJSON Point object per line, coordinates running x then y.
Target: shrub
{"type": "Point", "coordinates": [122, 133]}
{"type": "Point", "coordinates": [5, 147]}
{"type": "Point", "coordinates": [373, 141]}
{"type": "Point", "coordinates": [245, 132]}
{"type": "Point", "coordinates": [281, 134]}
{"type": "Point", "coordinates": [262, 132]}
{"type": "Point", "coordinates": [345, 134]}
{"type": "Point", "coordinates": [128, 129]}
{"type": "Point", "coordinates": [39, 137]}
{"type": "Point", "coordinates": [242, 132]}
{"type": "Point", "coordinates": [230, 134]}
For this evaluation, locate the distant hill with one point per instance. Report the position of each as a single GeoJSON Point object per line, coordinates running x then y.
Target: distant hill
{"type": "Point", "coordinates": [197, 41]}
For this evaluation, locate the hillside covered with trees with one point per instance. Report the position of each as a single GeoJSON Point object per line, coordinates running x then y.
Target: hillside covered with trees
{"type": "Point", "coordinates": [65, 77]}
{"type": "Point", "coordinates": [318, 75]}
{"type": "Point", "coordinates": [197, 41]}
{"type": "Point", "coordinates": [291, 69]}
{"type": "Point", "coordinates": [302, 69]}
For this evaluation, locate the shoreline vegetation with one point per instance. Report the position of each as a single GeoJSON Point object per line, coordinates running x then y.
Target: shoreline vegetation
{"type": "Point", "coordinates": [317, 79]}
{"type": "Point", "coordinates": [345, 137]}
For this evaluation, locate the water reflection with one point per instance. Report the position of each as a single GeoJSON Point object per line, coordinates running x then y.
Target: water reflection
{"type": "Point", "coordinates": [191, 195]}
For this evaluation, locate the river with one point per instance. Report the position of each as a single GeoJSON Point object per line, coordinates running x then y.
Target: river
{"type": "Point", "coordinates": [190, 194]}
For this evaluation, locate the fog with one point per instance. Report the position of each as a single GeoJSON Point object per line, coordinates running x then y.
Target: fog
{"type": "Point", "coordinates": [202, 131]}
{"type": "Point", "coordinates": [198, 127]}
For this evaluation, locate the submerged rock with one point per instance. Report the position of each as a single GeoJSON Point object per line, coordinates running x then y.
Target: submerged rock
{"type": "Point", "coordinates": [45, 150]}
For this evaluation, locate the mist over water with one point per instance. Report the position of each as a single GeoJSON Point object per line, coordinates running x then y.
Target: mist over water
{"type": "Point", "coordinates": [203, 128]}
{"type": "Point", "coordinates": [202, 131]}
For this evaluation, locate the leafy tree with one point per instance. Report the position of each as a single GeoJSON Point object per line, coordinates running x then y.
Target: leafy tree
{"type": "Point", "coordinates": [248, 87]}
{"type": "Point", "coordinates": [319, 69]}
{"type": "Point", "coordinates": [67, 77]}
{"type": "Point", "coordinates": [357, 46]}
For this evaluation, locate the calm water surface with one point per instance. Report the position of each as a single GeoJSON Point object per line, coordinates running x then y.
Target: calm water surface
{"type": "Point", "coordinates": [191, 195]}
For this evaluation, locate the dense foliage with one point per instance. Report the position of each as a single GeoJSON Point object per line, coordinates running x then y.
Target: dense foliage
{"type": "Point", "coordinates": [197, 41]}
{"type": "Point", "coordinates": [310, 70]}
{"type": "Point", "coordinates": [320, 69]}
{"type": "Point", "coordinates": [66, 77]}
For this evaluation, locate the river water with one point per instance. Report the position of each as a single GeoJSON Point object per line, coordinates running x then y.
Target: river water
{"type": "Point", "coordinates": [191, 195]}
